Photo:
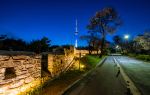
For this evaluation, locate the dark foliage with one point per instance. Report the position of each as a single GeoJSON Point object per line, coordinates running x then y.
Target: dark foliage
{"type": "Point", "coordinates": [12, 44]}
{"type": "Point", "coordinates": [40, 45]}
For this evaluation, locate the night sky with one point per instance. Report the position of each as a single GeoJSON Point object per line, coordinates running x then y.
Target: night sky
{"type": "Point", "coordinates": [55, 19]}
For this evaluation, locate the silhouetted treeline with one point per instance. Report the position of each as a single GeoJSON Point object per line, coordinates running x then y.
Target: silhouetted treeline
{"type": "Point", "coordinates": [12, 44]}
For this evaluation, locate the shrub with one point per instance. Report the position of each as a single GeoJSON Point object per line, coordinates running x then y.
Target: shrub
{"type": "Point", "coordinates": [143, 57]}
{"type": "Point", "coordinates": [140, 56]}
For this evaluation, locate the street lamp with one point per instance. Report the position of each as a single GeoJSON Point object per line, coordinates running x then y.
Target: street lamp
{"type": "Point", "coordinates": [126, 37]}
{"type": "Point", "coordinates": [117, 48]}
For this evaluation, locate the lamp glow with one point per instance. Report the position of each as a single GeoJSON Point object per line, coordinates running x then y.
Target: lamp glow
{"type": "Point", "coordinates": [126, 36]}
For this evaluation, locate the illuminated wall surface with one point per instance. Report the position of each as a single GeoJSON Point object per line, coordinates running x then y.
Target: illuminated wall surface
{"type": "Point", "coordinates": [58, 63]}
{"type": "Point", "coordinates": [21, 72]}
{"type": "Point", "coordinates": [18, 70]}
{"type": "Point", "coordinates": [84, 52]}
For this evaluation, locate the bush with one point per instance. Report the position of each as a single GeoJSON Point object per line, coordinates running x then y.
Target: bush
{"type": "Point", "coordinates": [143, 57]}
{"type": "Point", "coordinates": [140, 56]}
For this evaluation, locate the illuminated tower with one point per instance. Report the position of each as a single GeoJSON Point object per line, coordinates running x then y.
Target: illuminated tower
{"type": "Point", "coordinates": [76, 35]}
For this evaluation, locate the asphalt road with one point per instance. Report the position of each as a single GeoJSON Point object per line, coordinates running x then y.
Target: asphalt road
{"type": "Point", "coordinates": [138, 71]}
{"type": "Point", "coordinates": [104, 80]}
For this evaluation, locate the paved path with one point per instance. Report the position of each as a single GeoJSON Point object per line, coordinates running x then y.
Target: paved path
{"type": "Point", "coordinates": [138, 71]}
{"type": "Point", "coordinates": [104, 80]}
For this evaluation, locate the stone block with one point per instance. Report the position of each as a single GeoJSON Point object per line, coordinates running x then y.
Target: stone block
{"type": "Point", "coordinates": [38, 68]}
{"type": "Point", "coordinates": [23, 76]}
{"type": "Point", "coordinates": [26, 62]}
{"type": "Point", "coordinates": [36, 75]}
{"type": "Point", "coordinates": [29, 66]}
{"type": "Point", "coordinates": [37, 57]}
{"type": "Point", "coordinates": [31, 70]}
{"type": "Point", "coordinates": [21, 72]}
{"type": "Point", "coordinates": [8, 64]}
{"type": "Point", "coordinates": [2, 82]}
{"type": "Point", "coordinates": [20, 57]}
{"type": "Point", "coordinates": [2, 70]}
{"type": "Point", "coordinates": [2, 64]}
{"type": "Point", "coordinates": [16, 84]}
{"type": "Point", "coordinates": [2, 57]}
{"type": "Point", "coordinates": [2, 77]}
{"type": "Point", "coordinates": [31, 61]}
{"type": "Point", "coordinates": [29, 79]}
{"type": "Point", "coordinates": [21, 68]}
{"type": "Point", "coordinates": [38, 64]}
{"type": "Point", "coordinates": [3, 89]}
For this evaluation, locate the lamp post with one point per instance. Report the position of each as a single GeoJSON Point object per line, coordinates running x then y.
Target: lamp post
{"type": "Point", "coordinates": [126, 37]}
{"type": "Point", "coordinates": [117, 48]}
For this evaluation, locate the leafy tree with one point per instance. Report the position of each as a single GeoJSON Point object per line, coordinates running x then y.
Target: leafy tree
{"type": "Point", "coordinates": [40, 45]}
{"type": "Point", "coordinates": [37, 46]}
{"type": "Point", "coordinates": [117, 40]}
{"type": "Point", "coordinates": [12, 44]}
{"type": "Point", "coordinates": [93, 42]}
{"type": "Point", "coordinates": [2, 37]}
{"type": "Point", "coordinates": [104, 21]}
{"type": "Point", "coordinates": [119, 44]}
{"type": "Point", "coordinates": [142, 42]}
{"type": "Point", "coordinates": [45, 43]}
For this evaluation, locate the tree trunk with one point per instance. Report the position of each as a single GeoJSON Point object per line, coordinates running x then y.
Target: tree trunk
{"type": "Point", "coordinates": [97, 51]}
{"type": "Point", "coordinates": [89, 49]}
{"type": "Point", "coordinates": [102, 47]}
{"type": "Point", "coordinates": [102, 43]}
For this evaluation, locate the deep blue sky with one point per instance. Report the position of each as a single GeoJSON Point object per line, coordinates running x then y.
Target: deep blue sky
{"type": "Point", "coordinates": [55, 19]}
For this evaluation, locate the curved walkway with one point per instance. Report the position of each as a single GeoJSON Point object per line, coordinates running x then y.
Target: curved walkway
{"type": "Point", "coordinates": [104, 80]}
{"type": "Point", "coordinates": [138, 71]}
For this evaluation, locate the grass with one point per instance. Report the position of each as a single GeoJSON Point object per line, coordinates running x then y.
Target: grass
{"type": "Point", "coordinates": [90, 60]}
{"type": "Point", "coordinates": [59, 84]}
{"type": "Point", "coordinates": [64, 80]}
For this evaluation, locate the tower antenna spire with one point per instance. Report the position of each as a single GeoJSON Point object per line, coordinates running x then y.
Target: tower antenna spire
{"type": "Point", "coordinates": [76, 34]}
{"type": "Point", "coordinates": [76, 25]}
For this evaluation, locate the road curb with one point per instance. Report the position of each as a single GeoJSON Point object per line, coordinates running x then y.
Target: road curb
{"type": "Point", "coordinates": [70, 87]}
{"type": "Point", "coordinates": [130, 84]}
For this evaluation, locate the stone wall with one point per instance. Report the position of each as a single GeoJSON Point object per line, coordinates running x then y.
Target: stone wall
{"type": "Point", "coordinates": [17, 70]}
{"type": "Point", "coordinates": [55, 62]}
{"type": "Point", "coordinates": [58, 63]}
{"type": "Point", "coordinates": [84, 52]}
